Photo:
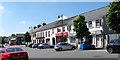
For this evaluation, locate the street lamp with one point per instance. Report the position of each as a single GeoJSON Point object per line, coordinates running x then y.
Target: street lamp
{"type": "Point", "coordinates": [61, 16]}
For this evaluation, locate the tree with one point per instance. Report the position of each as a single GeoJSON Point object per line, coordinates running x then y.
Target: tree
{"type": "Point", "coordinates": [113, 17]}
{"type": "Point", "coordinates": [80, 27]}
{"type": "Point", "coordinates": [27, 37]}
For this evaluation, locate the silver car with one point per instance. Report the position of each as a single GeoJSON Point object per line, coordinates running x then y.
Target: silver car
{"type": "Point", "coordinates": [64, 46]}
{"type": "Point", "coordinates": [45, 45]}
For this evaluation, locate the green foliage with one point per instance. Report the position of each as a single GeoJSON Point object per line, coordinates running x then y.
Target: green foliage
{"type": "Point", "coordinates": [113, 17]}
{"type": "Point", "coordinates": [80, 27]}
{"type": "Point", "coordinates": [27, 37]}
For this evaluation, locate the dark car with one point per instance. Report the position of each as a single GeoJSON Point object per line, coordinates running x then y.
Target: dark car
{"type": "Point", "coordinates": [64, 46]}
{"type": "Point", "coordinates": [113, 46]}
{"type": "Point", "coordinates": [30, 45]}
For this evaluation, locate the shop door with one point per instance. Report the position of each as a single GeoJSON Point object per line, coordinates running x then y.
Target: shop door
{"type": "Point", "coordinates": [99, 41]}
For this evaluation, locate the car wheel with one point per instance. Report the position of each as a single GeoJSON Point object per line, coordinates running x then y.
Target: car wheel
{"type": "Point", "coordinates": [110, 50]}
{"type": "Point", "coordinates": [60, 49]}
{"type": "Point", "coordinates": [41, 47]}
{"type": "Point", "coordinates": [73, 48]}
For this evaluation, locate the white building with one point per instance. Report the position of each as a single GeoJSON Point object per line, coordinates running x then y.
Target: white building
{"type": "Point", "coordinates": [52, 32]}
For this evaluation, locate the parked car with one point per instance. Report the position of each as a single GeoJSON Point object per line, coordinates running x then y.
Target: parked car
{"type": "Point", "coordinates": [113, 46]}
{"type": "Point", "coordinates": [64, 46]}
{"type": "Point", "coordinates": [13, 53]}
{"type": "Point", "coordinates": [30, 45]}
{"type": "Point", "coordinates": [45, 45]}
{"type": "Point", "coordinates": [37, 45]}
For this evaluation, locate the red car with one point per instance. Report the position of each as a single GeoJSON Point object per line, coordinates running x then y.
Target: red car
{"type": "Point", "coordinates": [13, 53]}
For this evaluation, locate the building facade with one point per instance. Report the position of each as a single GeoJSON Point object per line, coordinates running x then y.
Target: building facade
{"type": "Point", "coordinates": [52, 33]}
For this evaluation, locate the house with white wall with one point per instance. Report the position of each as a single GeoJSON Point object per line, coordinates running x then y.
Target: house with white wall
{"type": "Point", "coordinates": [52, 32]}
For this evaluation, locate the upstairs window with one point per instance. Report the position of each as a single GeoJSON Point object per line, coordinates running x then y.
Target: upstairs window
{"type": "Point", "coordinates": [69, 27]}
{"type": "Point", "coordinates": [63, 29]}
{"type": "Point", "coordinates": [98, 23]}
{"type": "Point", "coordinates": [43, 34]}
{"type": "Point", "coordinates": [90, 24]}
{"type": "Point", "coordinates": [58, 30]}
{"type": "Point", "coordinates": [52, 31]}
{"type": "Point", "coordinates": [48, 33]}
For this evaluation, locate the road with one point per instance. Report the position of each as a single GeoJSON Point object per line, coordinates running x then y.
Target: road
{"type": "Point", "coordinates": [51, 53]}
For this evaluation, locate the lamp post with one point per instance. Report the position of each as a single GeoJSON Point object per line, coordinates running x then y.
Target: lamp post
{"type": "Point", "coordinates": [61, 16]}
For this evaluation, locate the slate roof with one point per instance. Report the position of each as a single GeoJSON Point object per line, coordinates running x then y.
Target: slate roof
{"type": "Point", "coordinates": [53, 24]}
{"type": "Point", "coordinates": [89, 16]}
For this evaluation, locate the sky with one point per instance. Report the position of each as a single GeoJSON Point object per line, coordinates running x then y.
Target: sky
{"type": "Point", "coordinates": [17, 17]}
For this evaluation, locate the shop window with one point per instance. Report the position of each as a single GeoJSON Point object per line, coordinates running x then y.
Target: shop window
{"type": "Point", "coordinates": [72, 40]}
{"type": "Point", "coordinates": [90, 24]}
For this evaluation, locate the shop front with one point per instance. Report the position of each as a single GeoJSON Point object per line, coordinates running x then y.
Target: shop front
{"type": "Point", "coordinates": [40, 39]}
{"type": "Point", "coordinates": [61, 37]}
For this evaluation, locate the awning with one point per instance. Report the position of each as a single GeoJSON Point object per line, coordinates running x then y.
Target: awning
{"type": "Point", "coordinates": [65, 34]}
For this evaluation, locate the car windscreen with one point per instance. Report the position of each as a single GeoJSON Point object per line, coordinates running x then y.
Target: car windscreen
{"type": "Point", "coordinates": [13, 49]}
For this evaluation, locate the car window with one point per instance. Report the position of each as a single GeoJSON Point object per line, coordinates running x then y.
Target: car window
{"type": "Point", "coordinates": [45, 44]}
{"type": "Point", "coordinates": [19, 49]}
{"type": "Point", "coordinates": [117, 41]}
{"type": "Point", "coordinates": [64, 44]}
{"type": "Point", "coordinates": [1, 51]}
{"type": "Point", "coordinates": [112, 41]}
{"type": "Point", "coordinates": [10, 49]}
{"type": "Point", "coordinates": [13, 49]}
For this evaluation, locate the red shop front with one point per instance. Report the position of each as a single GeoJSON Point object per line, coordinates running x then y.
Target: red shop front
{"type": "Point", "coordinates": [60, 38]}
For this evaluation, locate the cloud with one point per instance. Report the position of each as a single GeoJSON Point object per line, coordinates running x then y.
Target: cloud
{"type": "Point", "coordinates": [22, 22]}
{"type": "Point", "coordinates": [1, 7]}
{"type": "Point", "coordinates": [1, 25]}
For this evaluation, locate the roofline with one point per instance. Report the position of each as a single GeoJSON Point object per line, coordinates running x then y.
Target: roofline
{"type": "Point", "coordinates": [93, 10]}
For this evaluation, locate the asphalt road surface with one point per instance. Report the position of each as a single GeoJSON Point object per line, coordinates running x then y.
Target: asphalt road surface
{"type": "Point", "coordinates": [51, 53]}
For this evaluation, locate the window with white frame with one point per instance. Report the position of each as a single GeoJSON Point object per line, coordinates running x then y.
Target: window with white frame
{"type": "Point", "coordinates": [90, 24]}
{"type": "Point", "coordinates": [63, 29]}
{"type": "Point", "coordinates": [69, 27]}
{"type": "Point", "coordinates": [43, 34]}
{"type": "Point", "coordinates": [98, 23]}
{"type": "Point", "coordinates": [46, 33]}
{"type": "Point", "coordinates": [52, 31]}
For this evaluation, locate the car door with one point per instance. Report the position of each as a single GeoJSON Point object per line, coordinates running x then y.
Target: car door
{"type": "Point", "coordinates": [68, 46]}
{"type": "Point", "coordinates": [46, 45]}
{"type": "Point", "coordinates": [1, 52]}
{"type": "Point", "coordinates": [63, 45]}
{"type": "Point", "coordinates": [118, 44]}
